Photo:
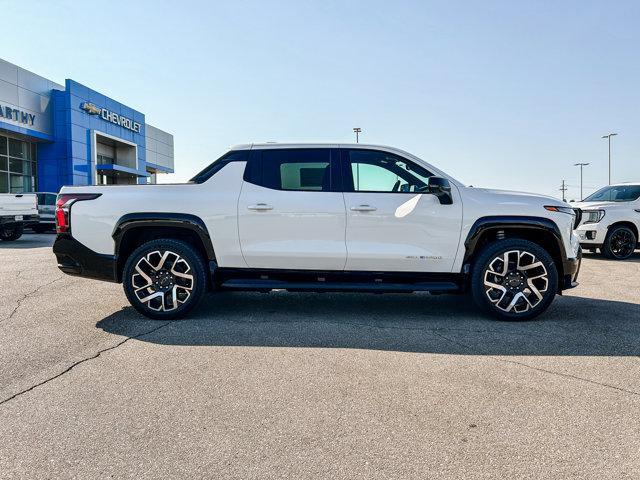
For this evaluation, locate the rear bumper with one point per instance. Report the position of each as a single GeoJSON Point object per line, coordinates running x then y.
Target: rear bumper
{"type": "Point", "coordinates": [10, 220]}
{"type": "Point", "coordinates": [571, 271]}
{"type": "Point", "coordinates": [76, 259]}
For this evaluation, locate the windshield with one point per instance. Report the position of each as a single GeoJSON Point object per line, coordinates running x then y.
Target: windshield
{"type": "Point", "coordinates": [619, 193]}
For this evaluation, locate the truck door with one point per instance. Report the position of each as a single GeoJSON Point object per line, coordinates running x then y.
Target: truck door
{"type": "Point", "coordinates": [393, 223]}
{"type": "Point", "coordinates": [291, 212]}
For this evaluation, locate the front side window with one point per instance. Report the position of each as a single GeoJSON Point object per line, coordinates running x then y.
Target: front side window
{"type": "Point", "coordinates": [618, 193]}
{"type": "Point", "coordinates": [304, 169]}
{"type": "Point", "coordinates": [382, 172]}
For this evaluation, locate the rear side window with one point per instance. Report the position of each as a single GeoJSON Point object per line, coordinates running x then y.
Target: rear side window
{"type": "Point", "coordinates": [215, 167]}
{"type": "Point", "coordinates": [46, 199]}
{"type": "Point", "coordinates": [304, 169]}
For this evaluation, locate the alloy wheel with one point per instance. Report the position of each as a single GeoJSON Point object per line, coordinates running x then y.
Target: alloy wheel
{"type": "Point", "coordinates": [622, 243]}
{"type": "Point", "coordinates": [516, 281]}
{"type": "Point", "coordinates": [162, 280]}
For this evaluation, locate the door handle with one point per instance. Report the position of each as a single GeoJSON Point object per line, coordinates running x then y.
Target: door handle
{"type": "Point", "coordinates": [363, 208]}
{"type": "Point", "coordinates": [260, 207]}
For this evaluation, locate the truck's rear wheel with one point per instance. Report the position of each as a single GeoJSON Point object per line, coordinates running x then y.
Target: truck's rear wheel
{"type": "Point", "coordinates": [164, 279]}
{"type": "Point", "coordinates": [9, 234]}
{"type": "Point", "coordinates": [514, 279]}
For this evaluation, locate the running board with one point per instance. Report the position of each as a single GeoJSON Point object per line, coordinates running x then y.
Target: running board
{"type": "Point", "coordinates": [377, 287]}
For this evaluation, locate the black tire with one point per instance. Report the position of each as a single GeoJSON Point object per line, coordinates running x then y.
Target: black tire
{"type": "Point", "coordinates": [167, 284]}
{"type": "Point", "coordinates": [9, 234]}
{"type": "Point", "coordinates": [620, 243]}
{"type": "Point", "coordinates": [522, 278]}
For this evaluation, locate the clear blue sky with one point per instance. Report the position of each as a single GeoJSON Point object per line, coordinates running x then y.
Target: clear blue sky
{"type": "Point", "coordinates": [498, 93]}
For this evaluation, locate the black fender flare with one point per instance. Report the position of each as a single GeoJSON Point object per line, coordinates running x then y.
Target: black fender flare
{"type": "Point", "coordinates": [162, 219]}
{"type": "Point", "coordinates": [500, 222]}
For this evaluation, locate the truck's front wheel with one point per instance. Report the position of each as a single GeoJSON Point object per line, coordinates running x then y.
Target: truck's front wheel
{"type": "Point", "coordinates": [9, 234]}
{"type": "Point", "coordinates": [164, 279]}
{"type": "Point", "coordinates": [620, 243]}
{"type": "Point", "coordinates": [514, 279]}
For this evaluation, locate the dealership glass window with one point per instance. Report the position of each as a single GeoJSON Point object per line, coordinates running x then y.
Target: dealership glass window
{"type": "Point", "coordinates": [19, 148]}
{"type": "Point", "coordinates": [105, 160]}
{"type": "Point", "coordinates": [20, 183]}
{"type": "Point", "coordinates": [17, 165]}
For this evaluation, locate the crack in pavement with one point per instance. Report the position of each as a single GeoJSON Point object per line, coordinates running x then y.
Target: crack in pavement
{"type": "Point", "coordinates": [539, 369]}
{"type": "Point", "coordinates": [27, 295]}
{"type": "Point", "coordinates": [354, 324]}
{"type": "Point", "coordinates": [75, 364]}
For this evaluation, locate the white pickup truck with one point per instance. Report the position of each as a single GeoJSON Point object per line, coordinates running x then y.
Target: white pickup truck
{"type": "Point", "coordinates": [16, 212]}
{"type": "Point", "coordinates": [611, 221]}
{"type": "Point", "coordinates": [315, 217]}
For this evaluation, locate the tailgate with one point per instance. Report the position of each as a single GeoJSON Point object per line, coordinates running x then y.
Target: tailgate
{"type": "Point", "coordinates": [19, 204]}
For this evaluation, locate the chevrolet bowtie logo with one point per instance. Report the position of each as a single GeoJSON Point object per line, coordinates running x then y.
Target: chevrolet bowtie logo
{"type": "Point", "coordinates": [90, 108]}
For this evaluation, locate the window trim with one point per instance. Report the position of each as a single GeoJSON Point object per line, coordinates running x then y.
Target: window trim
{"type": "Point", "coordinates": [253, 172]}
{"type": "Point", "coordinates": [347, 173]}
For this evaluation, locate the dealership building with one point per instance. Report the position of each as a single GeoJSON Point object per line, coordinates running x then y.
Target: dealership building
{"type": "Point", "coordinates": [53, 135]}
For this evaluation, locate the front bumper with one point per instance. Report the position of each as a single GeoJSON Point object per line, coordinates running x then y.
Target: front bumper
{"type": "Point", "coordinates": [571, 269]}
{"type": "Point", "coordinates": [76, 259]}
{"type": "Point", "coordinates": [591, 235]}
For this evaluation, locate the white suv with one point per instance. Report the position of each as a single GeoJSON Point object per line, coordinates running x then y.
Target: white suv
{"type": "Point", "coordinates": [611, 220]}
{"type": "Point", "coordinates": [313, 217]}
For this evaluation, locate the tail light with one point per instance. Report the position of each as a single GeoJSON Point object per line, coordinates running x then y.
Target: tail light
{"type": "Point", "coordinates": [63, 208]}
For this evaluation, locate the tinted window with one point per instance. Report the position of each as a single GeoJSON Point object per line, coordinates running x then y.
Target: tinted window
{"type": "Point", "coordinates": [215, 167]}
{"type": "Point", "coordinates": [294, 169]}
{"type": "Point", "coordinates": [619, 193]}
{"type": "Point", "coordinates": [376, 171]}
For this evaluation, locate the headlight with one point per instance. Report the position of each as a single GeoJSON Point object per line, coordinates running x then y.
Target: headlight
{"type": "Point", "coordinates": [592, 216]}
{"type": "Point", "coordinates": [554, 208]}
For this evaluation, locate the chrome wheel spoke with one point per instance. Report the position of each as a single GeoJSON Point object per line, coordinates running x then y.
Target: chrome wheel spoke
{"type": "Point", "coordinates": [516, 281]}
{"type": "Point", "coordinates": [518, 297]}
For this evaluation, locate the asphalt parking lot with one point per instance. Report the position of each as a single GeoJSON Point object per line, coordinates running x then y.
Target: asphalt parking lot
{"type": "Point", "coordinates": [286, 385]}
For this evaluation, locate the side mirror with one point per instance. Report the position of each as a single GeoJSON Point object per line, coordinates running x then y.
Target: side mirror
{"type": "Point", "coordinates": [441, 188]}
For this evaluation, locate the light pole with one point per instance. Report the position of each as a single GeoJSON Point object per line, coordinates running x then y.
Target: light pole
{"type": "Point", "coordinates": [581, 165]}
{"type": "Point", "coordinates": [609, 138]}
{"type": "Point", "coordinates": [357, 130]}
